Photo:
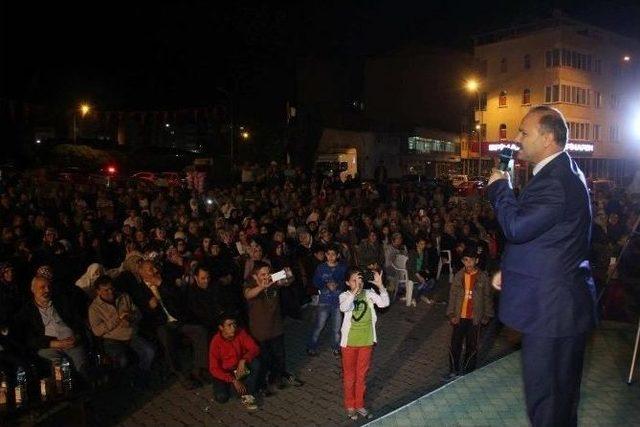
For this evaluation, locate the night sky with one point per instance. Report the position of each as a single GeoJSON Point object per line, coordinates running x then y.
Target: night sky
{"type": "Point", "coordinates": [163, 55]}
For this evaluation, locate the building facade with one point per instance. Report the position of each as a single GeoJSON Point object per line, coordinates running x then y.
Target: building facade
{"type": "Point", "coordinates": [420, 151]}
{"type": "Point", "coordinates": [589, 74]}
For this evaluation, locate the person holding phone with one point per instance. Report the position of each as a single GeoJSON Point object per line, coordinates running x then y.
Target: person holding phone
{"type": "Point", "coordinates": [266, 326]}
{"type": "Point", "coordinates": [358, 337]}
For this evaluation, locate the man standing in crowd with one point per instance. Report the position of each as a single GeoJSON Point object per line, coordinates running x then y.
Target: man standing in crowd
{"type": "Point", "coordinates": [265, 324]}
{"type": "Point", "coordinates": [547, 290]}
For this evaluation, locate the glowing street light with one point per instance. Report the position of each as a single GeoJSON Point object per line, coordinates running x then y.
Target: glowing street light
{"type": "Point", "coordinates": [84, 109]}
{"type": "Point", "coordinates": [626, 58]}
{"type": "Point", "coordinates": [472, 85]}
{"type": "Point", "coordinates": [245, 135]}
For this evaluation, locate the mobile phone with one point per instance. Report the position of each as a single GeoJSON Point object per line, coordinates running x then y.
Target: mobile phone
{"type": "Point", "coordinates": [280, 275]}
{"type": "Point", "coordinates": [367, 276]}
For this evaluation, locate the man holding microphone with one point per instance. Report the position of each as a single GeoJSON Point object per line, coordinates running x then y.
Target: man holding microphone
{"type": "Point", "coordinates": [547, 290]}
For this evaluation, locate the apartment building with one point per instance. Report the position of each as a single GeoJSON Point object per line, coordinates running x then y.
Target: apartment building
{"type": "Point", "coordinates": [590, 74]}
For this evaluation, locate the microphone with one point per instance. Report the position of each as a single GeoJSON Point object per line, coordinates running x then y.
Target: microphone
{"type": "Point", "coordinates": [506, 155]}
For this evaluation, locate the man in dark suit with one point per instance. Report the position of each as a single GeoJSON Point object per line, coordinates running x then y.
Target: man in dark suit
{"type": "Point", "coordinates": [547, 290]}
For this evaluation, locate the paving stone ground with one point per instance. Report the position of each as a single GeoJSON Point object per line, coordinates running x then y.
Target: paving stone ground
{"type": "Point", "coordinates": [409, 361]}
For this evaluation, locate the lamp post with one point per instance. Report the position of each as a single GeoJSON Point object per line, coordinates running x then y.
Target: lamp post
{"type": "Point", "coordinates": [84, 110]}
{"type": "Point", "coordinates": [474, 86]}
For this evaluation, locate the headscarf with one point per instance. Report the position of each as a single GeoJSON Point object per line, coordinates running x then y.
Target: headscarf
{"type": "Point", "coordinates": [86, 281]}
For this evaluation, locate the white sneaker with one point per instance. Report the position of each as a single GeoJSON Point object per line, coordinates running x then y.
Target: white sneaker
{"type": "Point", "coordinates": [249, 402]}
{"type": "Point", "coordinates": [364, 413]}
{"type": "Point", "coordinates": [427, 300]}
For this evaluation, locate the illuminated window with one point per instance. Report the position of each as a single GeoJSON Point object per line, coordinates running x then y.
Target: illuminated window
{"type": "Point", "coordinates": [502, 100]}
{"type": "Point", "coordinates": [418, 144]}
{"type": "Point", "coordinates": [526, 97]}
{"type": "Point", "coordinates": [503, 132]}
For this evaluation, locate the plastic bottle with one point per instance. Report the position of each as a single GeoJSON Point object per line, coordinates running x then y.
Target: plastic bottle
{"type": "Point", "coordinates": [57, 375]}
{"type": "Point", "coordinates": [4, 391]}
{"type": "Point", "coordinates": [21, 387]}
{"type": "Point", "coordinates": [67, 383]}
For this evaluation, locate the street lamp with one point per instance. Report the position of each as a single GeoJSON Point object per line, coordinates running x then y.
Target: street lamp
{"type": "Point", "coordinates": [245, 135]}
{"type": "Point", "coordinates": [84, 109]}
{"type": "Point", "coordinates": [472, 85]}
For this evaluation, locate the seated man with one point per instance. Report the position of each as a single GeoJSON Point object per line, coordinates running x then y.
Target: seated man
{"type": "Point", "coordinates": [163, 308]}
{"type": "Point", "coordinates": [115, 319]}
{"type": "Point", "coordinates": [51, 328]}
{"type": "Point", "coordinates": [233, 362]}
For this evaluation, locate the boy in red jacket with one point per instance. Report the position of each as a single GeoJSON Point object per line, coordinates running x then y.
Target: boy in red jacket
{"type": "Point", "coordinates": [233, 362]}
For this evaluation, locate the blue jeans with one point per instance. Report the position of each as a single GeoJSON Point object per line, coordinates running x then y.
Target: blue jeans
{"type": "Point", "coordinates": [119, 351]}
{"type": "Point", "coordinates": [325, 312]}
{"type": "Point", "coordinates": [222, 390]}
{"type": "Point", "coordinates": [425, 288]}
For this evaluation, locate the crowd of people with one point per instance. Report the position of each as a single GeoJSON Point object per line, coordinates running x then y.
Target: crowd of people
{"type": "Point", "coordinates": [197, 284]}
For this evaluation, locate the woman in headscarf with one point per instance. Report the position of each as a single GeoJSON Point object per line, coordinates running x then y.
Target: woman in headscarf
{"type": "Point", "coordinates": [86, 281]}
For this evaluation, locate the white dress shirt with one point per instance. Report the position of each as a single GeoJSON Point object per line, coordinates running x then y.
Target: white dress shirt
{"type": "Point", "coordinates": [545, 161]}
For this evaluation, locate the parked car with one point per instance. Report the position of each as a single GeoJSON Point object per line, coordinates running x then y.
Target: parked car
{"type": "Point", "coordinates": [470, 189]}
{"type": "Point", "coordinates": [161, 179]}
{"type": "Point", "coordinates": [456, 180]}
{"type": "Point", "coordinates": [149, 177]}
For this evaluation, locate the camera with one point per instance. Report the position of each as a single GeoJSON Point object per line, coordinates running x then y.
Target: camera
{"type": "Point", "coordinates": [367, 279]}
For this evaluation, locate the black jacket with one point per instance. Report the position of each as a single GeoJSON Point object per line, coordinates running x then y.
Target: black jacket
{"type": "Point", "coordinates": [173, 299]}
{"type": "Point", "coordinates": [31, 328]}
{"type": "Point", "coordinates": [203, 306]}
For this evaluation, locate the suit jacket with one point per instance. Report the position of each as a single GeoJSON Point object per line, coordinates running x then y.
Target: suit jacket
{"type": "Point", "coordinates": [31, 328]}
{"type": "Point", "coordinates": [547, 288]}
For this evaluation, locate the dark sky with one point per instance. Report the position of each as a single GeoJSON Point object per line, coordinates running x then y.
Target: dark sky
{"type": "Point", "coordinates": [163, 55]}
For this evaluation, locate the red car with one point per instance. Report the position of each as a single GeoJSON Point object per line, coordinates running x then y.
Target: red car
{"type": "Point", "coordinates": [470, 189]}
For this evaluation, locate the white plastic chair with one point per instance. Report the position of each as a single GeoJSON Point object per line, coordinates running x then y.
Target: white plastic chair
{"type": "Point", "coordinates": [399, 265]}
{"type": "Point", "coordinates": [445, 260]}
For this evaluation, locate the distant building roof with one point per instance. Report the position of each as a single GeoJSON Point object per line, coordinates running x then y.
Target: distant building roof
{"type": "Point", "coordinates": [558, 20]}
